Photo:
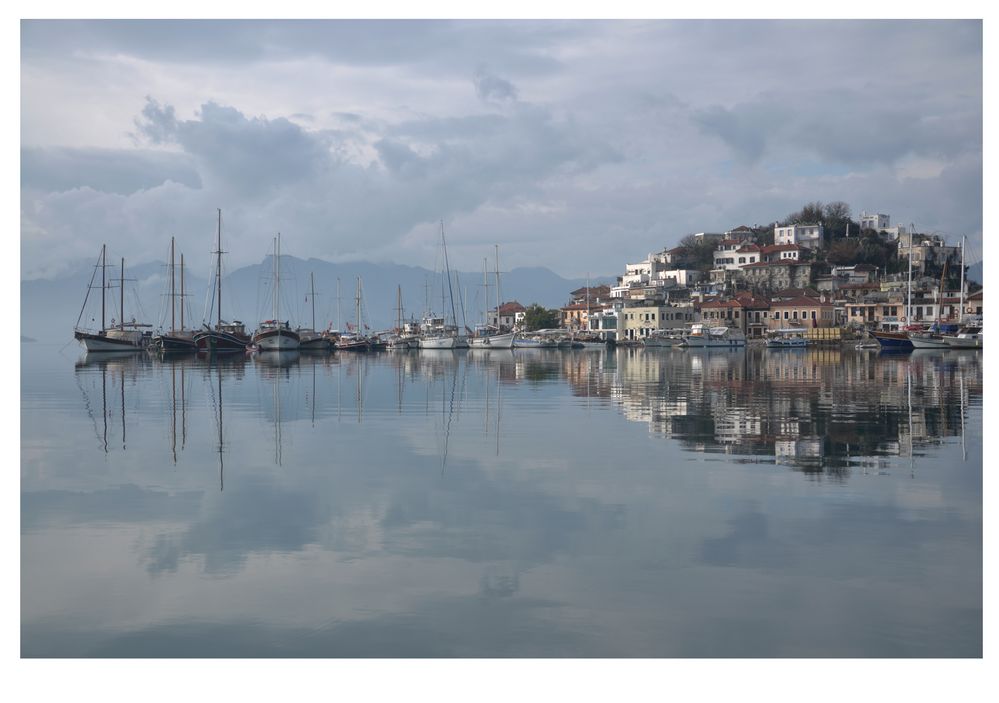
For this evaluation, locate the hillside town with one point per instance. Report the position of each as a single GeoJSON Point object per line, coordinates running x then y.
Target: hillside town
{"type": "Point", "coordinates": [819, 271]}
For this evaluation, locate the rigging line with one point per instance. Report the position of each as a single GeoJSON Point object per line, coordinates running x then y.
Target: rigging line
{"type": "Point", "coordinates": [87, 296]}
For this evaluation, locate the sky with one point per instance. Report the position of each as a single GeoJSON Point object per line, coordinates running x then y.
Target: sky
{"type": "Point", "coordinates": [576, 145]}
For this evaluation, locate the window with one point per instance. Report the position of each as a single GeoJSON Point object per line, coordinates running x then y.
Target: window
{"type": "Point", "coordinates": [813, 314]}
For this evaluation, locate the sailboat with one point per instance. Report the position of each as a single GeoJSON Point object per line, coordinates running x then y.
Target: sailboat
{"type": "Point", "coordinates": [309, 339]}
{"type": "Point", "coordinates": [899, 341]}
{"type": "Point", "coordinates": [489, 337]}
{"type": "Point", "coordinates": [226, 336]}
{"type": "Point", "coordinates": [968, 336]}
{"type": "Point", "coordinates": [274, 335]}
{"type": "Point", "coordinates": [435, 333]}
{"type": "Point", "coordinates": [932, 338]}
{"type": "Point", "coordinates": [113, 338]}
{"type": "Point", "coordinates": [353, 340]}
{"type": "Point", "coordinates": [401, 339]}
{"type": "Point", "coordinates": [175, 340]}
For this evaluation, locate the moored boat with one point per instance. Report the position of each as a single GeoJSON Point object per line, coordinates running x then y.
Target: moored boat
{"type": "Point", "coordinates": [274, 335]}
{"type": "Point", "coordinates": [702, 337]}
{"type": "Point", "coordinates": [113, 338]}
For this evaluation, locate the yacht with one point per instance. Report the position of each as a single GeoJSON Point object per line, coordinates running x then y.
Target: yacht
{"type": "Point", "coordinates": [701, 336]}
{"type": "Point", "coordinates": [274, 335]}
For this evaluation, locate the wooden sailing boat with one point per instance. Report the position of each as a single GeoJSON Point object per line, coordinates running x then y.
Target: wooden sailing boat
{"type": "Point", "coordinates": [274, 335]}
{"type": "Point", "coordinates": [175, 340]}
{"type": "Point", "coordinates": [115, 337]}
{"type": "Point", "coordinates": [435, 333]}
{"type": "Point", "coordinates": [309, 339]}
{"type": "Point", "coordinates": [226, 336]}
{"type": "Point", "coordinates": [353, 340]}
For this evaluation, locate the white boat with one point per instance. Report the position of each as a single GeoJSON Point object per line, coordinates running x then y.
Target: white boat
{"type": "Point", "coordinates": [492, 341]}
{"type": "Point", "coordinates": [115, 338]}
{"type": "Point", "coordinates": [664, 338]}
{"type": "Point", "coordinates": [789, 338]}
{"type": "Point", "coordinates": [274, 335]}
{"type": "Point", "coordinates": [967, 338]}
{"type": "Point", "coordinates": [702, 337]}
{"type": "Point", "coordinates": [928, 340]}
{"type": "Point", "coordinates": [441, 342]}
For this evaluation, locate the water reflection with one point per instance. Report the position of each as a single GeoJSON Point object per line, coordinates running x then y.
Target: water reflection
{"type": "Point", "coordinates": [503, 503]}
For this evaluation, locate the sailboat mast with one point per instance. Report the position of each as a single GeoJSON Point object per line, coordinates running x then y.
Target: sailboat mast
{"type": "Point", "coordinates": [485, 291]}
{"type": "Point", "coordinates": [450, 290]}
{"type": "Point", "coordinates": [121, 324]}
{"type": "Point", "coordinates": [960, 315]}
{"type": "Point", "coordinates": [908, 300]}
{"type": "Point", "coordinates": [339, 316]}
{"type": "Point", "coordinates": [398, 309]}
{"type": "Point", "coordinates": [173, 289]}
{"type": "Point", "coordinates": [497, 290]}
{"type": "Point", "coordinates": [357, 304]}
{"type": "Point", "coordinates": [312, 281]}
{"type": "Point", "coordinates": [218, 270]}
{"type": "Point", "coordinates": [181, 292]}
{"type": "Point", "coordinates": [104, 285]}
{"type": "Point", "coordinates": [277, 277]}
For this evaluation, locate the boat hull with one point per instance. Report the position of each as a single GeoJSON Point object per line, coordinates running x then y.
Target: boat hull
{"type": "Point", "coordinates": [495, 341]}
{"type": "Point", "coordinates": [438, 343]}
{"type": "Point", "coordinates": [105, 343]}
{"type": "Point", "coordinates": [928, 342]}
{"type": "Point", "coordinates": [963, 342]}
{"type": "Point", "coordinates": [174, 343]}
{"type": "Point", "coordinates": [893, 341]}
{"type": "Point", "coordinates": [276, 340]}
{"type": "Point", "coordinates": [215, 341]}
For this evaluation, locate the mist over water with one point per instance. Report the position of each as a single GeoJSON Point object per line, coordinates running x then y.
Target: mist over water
{"type": "Point", "coordinates": [525, 503]}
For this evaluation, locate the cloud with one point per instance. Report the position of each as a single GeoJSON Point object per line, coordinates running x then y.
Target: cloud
{"type": "Point", "coordinates": [491, 88]}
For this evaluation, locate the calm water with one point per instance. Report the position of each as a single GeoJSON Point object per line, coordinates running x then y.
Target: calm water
{"type": "Point", "coordinates": [629, 503]}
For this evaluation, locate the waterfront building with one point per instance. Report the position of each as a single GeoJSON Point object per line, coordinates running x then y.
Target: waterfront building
{"type": "Point", "coordinates": [510, 315]}
{"type": "Point", "coordinates": [802, 310]}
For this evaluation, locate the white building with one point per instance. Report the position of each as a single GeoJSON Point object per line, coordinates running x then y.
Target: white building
{"type": "Point", "coordinates": [808, 236]}
{"type": "Point", "coordinates": [881, 223]}
{"type": "Point", "coordinates": [731, 255]}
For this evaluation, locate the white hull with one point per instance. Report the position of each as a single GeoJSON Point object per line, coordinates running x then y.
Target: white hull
{"type": "Point", "coordinates": [928, 342]}
{"type": "Point", "coordinates": [963, 342]}
{"type": "Point", "coordinates": [277, 342]}
{"type": "Point", "coordinates": [104, 345]}
{"type": "Point", "coordinates": [496, 341]}
{"type": "Point", "coordinates": [787, 343]}
{"type": "Point", "coordinates": [437, 343]}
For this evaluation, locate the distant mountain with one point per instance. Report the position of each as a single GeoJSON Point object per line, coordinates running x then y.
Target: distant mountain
{"type": "Point", "coordinates": [49, 308]}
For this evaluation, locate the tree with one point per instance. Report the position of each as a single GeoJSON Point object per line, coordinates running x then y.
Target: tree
{"type": "Point", "coordinates": [537, 317]}
{"type": "Point", "coordinates": [701, 253]}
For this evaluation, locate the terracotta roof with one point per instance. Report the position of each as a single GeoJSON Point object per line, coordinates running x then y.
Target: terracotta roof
{"type": "Point", "coordinates": [747, 247]}
{"type": "Point", "coordinates": [780, 247]}
{"type": "Point", "coordinates": [510, 308]}
{"type": "Point", "coordinates": [722, 304]}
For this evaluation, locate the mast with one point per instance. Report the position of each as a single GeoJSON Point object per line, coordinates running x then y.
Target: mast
{"type": "Point", "coordinates": [940, 290]}
{"type": "Point", "coordinates": [181, 292]}
{"type": "Point", "coordinates": [454, 315]}
{"type": "Point", "coordinates": [339, 317]}
{"type": "Point", "coordinates": [277, 277]}
{"type": "Point", "coordinates": [218, 270]}
{"type": "Point", "coordinates": [357, 305]}
{"type": "Point", "coordinates": [173, 290]}
{"type": "Point", "coordinates": [312, 281]}
{"type": "Point", "coordinates": [398, 309]}
{"type": "Point", "coordinates": [485, 292]}
{"type": "Point", "coordinates": [121, 323]}
{"type": "Point", "coordinates": [908, 300]}
{"type": "Point", "coordinates": [104, 285]}
{"type": "Point", "coordinates": [498, 326]}
{"type": "Point", "coordinates": [960, 317]}
{"type": "Point", "coordinates": [587, 301]}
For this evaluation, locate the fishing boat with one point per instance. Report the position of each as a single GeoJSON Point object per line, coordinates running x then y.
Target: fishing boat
{"type": "Point", "coordinates": [788, 338]}
{"type": "Point", "coordinates": [113, 338]}
{"type": "Point", "coordinates": [308, 338]}
{"type": "Point", "coordinates": [225, 336]}
{"type": "Point", "coordinates": [274, 335]}
{"type": "Point", "coordinates": [898, 341]}
{"type": "Point", "coordinates": [664, 338]}
{"type": "Point", "coordinates": [969, 337]}
{"type": "Point", "coordinates": [175, 341]}
{"type": "Point", "coordinates": [701, 337]}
